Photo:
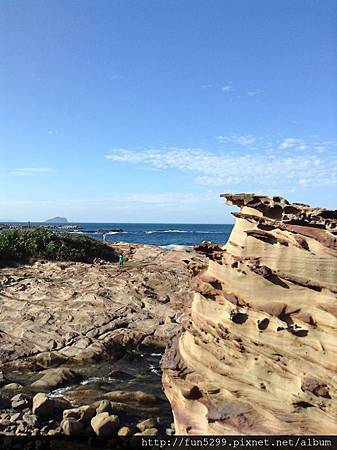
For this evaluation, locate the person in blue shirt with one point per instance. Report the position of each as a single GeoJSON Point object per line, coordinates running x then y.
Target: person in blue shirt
{"type": "Point", "coordinates": [121, 259]}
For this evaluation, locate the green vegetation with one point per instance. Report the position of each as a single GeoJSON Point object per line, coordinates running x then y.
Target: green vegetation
{"type": "Point", "coordinates": [18, 245]}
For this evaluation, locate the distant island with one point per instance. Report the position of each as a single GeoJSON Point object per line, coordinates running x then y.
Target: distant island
{"type": "Point", "coordinates": [57, 220]}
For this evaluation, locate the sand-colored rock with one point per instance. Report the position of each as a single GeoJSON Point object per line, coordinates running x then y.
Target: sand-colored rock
{"type": "Point", "coordinates": [258, 350]}
{"type": "Point", "coordinates": [66, 314]}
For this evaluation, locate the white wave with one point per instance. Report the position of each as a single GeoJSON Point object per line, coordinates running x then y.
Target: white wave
{"type": "Point", "coordinates": [168, 231]}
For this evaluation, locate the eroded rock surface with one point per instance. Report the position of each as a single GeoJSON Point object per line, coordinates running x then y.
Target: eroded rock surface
{"type": "Point", "coordinates": [68, 314]}
{"type": "Point", "coordinates": [258, 350]}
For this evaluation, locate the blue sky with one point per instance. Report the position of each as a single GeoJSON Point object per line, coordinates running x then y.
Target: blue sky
{"type": "Point", "coordinates": [146, 110]}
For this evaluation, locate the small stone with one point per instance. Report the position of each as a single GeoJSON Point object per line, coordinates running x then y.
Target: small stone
{"type": "Point", "coordinates": [4, 423]}
{"type": "Point", "coordinates": [146, 424]}
{"type": "Point", "coordinates": [15, 417]}
{"type": "Point", "coordinates": [105, 425]}
{"type": "Point", "coordinates": [36, 432]}
{"type": "Point", "coordinates": [21, 429]}
{"type": "Point", "coordinates": [72, 427]}
{"type": "Point", "coordinates": [19, 401]}
{"type": "Point", "coordinates": [12, 387]}
{"type": "Point", "coordinates": [148, 432]}
{"type": "Point", "coordinates": [169, 431]}
{"type": "Point", "coordinates": [104, 406]}
{"type": "Point", "coordinates": [124, 431]}
{"type": "Point", "coordinates": [30, 419]}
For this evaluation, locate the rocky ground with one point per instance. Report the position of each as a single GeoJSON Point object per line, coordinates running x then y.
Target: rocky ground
{"type": "Point", "coordinates": [64, 324]}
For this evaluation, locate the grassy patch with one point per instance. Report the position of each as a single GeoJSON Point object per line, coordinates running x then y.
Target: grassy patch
{"type": "Point", "coordinates": [39, 243]}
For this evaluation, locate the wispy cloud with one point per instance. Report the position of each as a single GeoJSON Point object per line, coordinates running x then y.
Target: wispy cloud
{"type": "Point", "coordinates": [254, 92]}
{"type": "Point", "coordinates": [227, 87]}
{"type": "Point", "coordinates": [237, 139]}
{"type": "Point", "coordinates": [32, 171]}
{"type": "Point", "coordinates": [293, 143]}
{"type": "Point", "coordinates": [271, 168]}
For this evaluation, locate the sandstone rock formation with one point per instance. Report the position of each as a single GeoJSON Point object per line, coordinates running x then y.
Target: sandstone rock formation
{"type": "Point", "coordinates": [258, 350]}
{"type": "Point", "coordinates": [57, 314]}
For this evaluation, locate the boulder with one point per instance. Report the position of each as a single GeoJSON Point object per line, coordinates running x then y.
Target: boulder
{"type": "Point", "coordinates": [83, 413]}
{"type": "Point", "coordinates": [72, 426]}
{"type": "Point", "coordinates": [54, 378]}
{"type": "Point", "coordinates": [43, 406]}
{"type": "Point", "coordinates": [105, 425]}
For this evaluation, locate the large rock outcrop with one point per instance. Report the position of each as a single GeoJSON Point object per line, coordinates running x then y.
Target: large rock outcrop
{"type": "Point", "coordinates": [258, 350]}
{"type": "Point", "coordinates": [65, 313]}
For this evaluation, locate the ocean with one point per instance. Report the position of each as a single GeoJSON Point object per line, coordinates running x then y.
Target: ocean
{"type": "Point", "coordinates": [165, 234]}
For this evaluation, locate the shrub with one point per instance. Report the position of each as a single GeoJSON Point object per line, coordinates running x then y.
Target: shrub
{"type": "Point", "coordinates": [24, 245]}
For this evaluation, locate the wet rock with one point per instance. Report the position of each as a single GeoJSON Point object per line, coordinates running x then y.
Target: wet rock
{"type": "Point", "coordinates": [120, 375]}
{"type": "Point", "coordinates": [54, 378]}
{"type": "Point", "coordinates": [104, 406]}
{"type": "Point", "coordinates": [137, 396]}
{"type": "Point", "coordinates": [4, 402]}
{"type": "Point", "coordinates": [124, 431]}
{"type": "Point", "coordinates": [146, 424]}
{"type": "Point", "coordinates": [105, 425]}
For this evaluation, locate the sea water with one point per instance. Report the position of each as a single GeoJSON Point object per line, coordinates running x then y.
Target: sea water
{"type": "Point", "coordinates": [165, 234]}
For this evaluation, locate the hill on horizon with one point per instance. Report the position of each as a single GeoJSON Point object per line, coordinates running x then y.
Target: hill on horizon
{"type": "Point", "coordinates": [57, 220]}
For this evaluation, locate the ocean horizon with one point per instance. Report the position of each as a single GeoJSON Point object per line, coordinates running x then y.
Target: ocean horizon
{"type": "Point", "coordinates": [161, 234]}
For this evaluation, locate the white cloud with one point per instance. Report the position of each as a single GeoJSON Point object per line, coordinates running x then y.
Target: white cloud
{"type": "Point", "coordinates": [237, 139]}
{"type": "Point", "coordinates": [253, 92]}
{"type": "Point", "coordinates": [32, 170]}
{"type": "Point", "coordinates": [268, 169]}
{"type": "Point", "coordinates": [295, 143]}
{"type": "Point", "coordinates": [227, 87]}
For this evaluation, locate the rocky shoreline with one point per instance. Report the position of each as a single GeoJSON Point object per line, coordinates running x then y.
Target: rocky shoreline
{"type": "Point", "coordinates": [81, 343]}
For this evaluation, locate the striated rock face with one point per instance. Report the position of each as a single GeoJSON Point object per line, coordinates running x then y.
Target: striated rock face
{"type": "Point", "coordinates": [258, 350]}
{"type": "Point", "coordinates": [58, 314]}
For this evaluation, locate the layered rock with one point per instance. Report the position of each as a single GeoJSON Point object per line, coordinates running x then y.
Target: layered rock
{"type": "Point", "coordinates": [258, 350]}
{"type": "Point", "coordinates": [55, 314]}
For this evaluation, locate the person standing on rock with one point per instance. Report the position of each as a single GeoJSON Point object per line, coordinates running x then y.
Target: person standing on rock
{"type": "Point", "coordinates": [121, 259]}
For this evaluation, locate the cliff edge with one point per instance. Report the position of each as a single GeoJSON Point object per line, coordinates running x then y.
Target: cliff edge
{"type": "Point", "coordinates": [257, 353]}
